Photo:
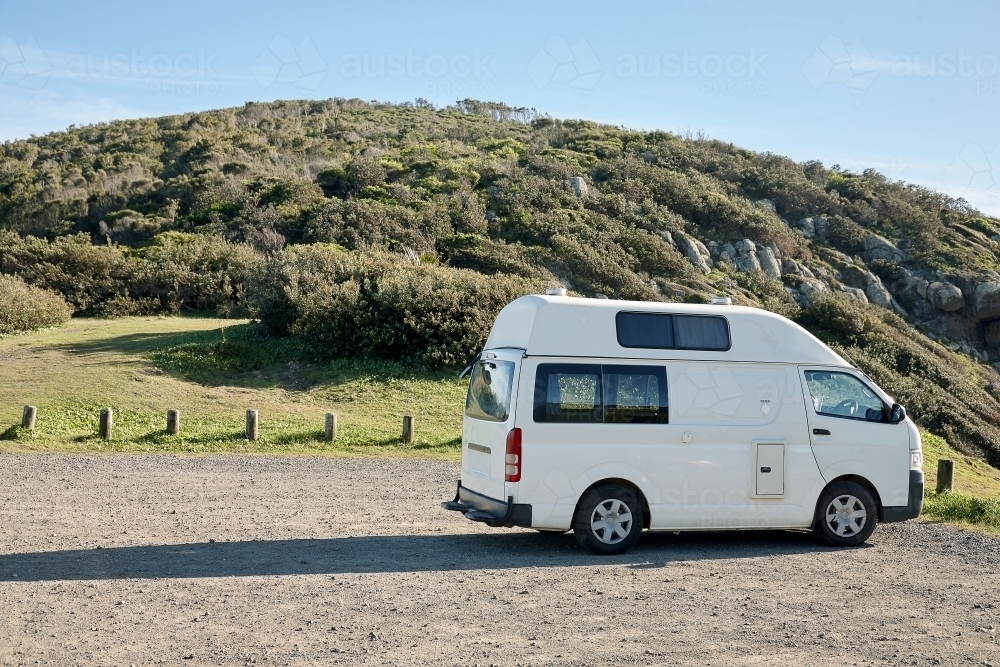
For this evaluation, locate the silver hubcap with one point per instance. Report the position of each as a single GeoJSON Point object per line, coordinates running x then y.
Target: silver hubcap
{"type": "Point", "coordinates": [846, 516]}
{"type": "Point", "coordinates": [611, 521]}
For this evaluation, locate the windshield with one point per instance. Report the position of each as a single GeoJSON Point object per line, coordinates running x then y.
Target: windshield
{"type": "Point", "coordinates": [489, 391]}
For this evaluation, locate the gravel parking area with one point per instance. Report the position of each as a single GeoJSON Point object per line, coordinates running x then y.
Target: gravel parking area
{"type": "Point", "coordinates": [156, 559]}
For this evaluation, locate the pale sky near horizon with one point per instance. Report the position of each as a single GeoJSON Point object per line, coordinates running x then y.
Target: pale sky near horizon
{"type": "Point", "coordinates": [911, 90]}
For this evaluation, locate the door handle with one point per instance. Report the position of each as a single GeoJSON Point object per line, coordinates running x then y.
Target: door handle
{"type": "Point", "coordinates": [820, 431]}
{"type": "Point", "coordinates": [766, 469]}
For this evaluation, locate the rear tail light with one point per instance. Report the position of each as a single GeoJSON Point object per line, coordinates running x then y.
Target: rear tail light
{"type": "Point", "coordinates": [512, 456]}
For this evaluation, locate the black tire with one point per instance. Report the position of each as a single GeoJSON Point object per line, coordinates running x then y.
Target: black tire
{"type": "Point", "coordinates": [625, 512]}
{"type": "Point", "coordinates": [838, 514]}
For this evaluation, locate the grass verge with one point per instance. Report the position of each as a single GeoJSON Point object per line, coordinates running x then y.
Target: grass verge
{"type": "Point", "coordinates": [213, 371]}
{"type": "Point", "coordinates": [975, 500]}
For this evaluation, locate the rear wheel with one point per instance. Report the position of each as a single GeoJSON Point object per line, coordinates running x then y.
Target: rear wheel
{"type": "Point", "coordinates": [608, 520]}
{"type": "Point", "coordinates": [846, 514]}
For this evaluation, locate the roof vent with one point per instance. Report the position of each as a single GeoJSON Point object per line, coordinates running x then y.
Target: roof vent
{"type": "Point", "coordinates": [556, 291]}
{"type": "Point", "coordinates": [721, 301]}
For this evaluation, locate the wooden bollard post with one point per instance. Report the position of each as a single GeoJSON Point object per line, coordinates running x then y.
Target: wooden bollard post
{"type": "Point", "coordinates": [408, 429]}
{"type": "Point", "coordinates": [252, 425]}
{"type": "Point", "coordinates": [946, 475]}
{"type": "Point", "coordinates": [173, 422]}
{"type": "Point", "coordinates": [330, 427]}
{"type": "Point", "coordinates": [107, 423]}
{"type": "Point", "coordinates": [28, 417]}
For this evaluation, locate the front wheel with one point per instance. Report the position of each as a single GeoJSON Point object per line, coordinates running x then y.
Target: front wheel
{"type": "Point", "coordinates": [846, 514]}
{"type": "Point", "coordinates": [608, 520]}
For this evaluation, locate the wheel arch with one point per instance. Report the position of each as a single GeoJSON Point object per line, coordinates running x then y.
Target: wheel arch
{"type": "Point", "coordinates": [861, 481]}
{"type": "Point", "coordinates": [624, 483]}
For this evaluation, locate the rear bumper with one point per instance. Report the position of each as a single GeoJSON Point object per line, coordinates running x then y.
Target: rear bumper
{"type": "Point", "coordinates": [914, 504]}
{"type": "Point", "coordinates": [492, 512]}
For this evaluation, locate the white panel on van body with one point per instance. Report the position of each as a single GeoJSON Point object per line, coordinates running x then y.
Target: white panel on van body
{"type": "Point", "coordinates": [877, 451]}
{"type": "Point", "coordinates": [484, 442]}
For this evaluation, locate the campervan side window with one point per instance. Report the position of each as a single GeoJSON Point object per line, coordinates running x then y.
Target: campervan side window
{"type": "Point", "coordinates": [588, 393]}
{"type": "Point", "coordinates": [568, 393]}
{"type": "Point", "coordinates": [635, 394]}
{"type": "Point", "coordinates": [673, 332]}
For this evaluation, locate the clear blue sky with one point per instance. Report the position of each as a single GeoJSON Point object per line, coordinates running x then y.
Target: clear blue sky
{"type": "Point", "coordinates": [909, 89]}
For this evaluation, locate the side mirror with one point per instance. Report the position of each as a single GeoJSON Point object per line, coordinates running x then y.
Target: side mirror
{"type": "Point", "coordinates": [897, 414]}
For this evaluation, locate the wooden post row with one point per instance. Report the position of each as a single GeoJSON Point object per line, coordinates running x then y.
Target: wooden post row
{"type": "Point", "coordinates": [945, 475]}
{"type": "Point", "coordinates": [28, 417]}
{"type": "Point", "coordinates": [252, 431]}
{"type": "Point", "coordinates": [330, 427]}
{"type": "Point", "coordinates": [173, 422]}
{"type": "Point", "coordinates": [107, 423]}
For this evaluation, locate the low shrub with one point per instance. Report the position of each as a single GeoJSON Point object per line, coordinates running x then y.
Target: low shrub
{"type": "Point", "coordinates": [25, 307]}
{"type": "Point", "coordinates": [379, 306]}
{"type": "Point", "coordinates": [953, 506]}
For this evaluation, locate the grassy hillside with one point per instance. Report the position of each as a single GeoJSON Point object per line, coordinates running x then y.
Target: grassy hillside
{"type": "Point", "coordinates": [395, 232]}
{"type": "Point", "coordinates": [212, 371]}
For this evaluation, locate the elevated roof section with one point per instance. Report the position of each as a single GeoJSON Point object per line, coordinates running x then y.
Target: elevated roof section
{"type": "Point", "coordinates": [561, 326]}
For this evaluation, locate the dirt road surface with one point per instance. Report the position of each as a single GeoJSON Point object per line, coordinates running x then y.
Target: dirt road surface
{"type": "Point", "coordinates": [230, 560]}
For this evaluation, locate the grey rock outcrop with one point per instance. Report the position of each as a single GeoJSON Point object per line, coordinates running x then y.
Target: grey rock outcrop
{"type": "Point", "coordinates": [993, 334]}
{"type": "Point", "coordinates": [876, 292]}
{"type": "Point", "coordinates": [668, 238]}
{"type": "Point", "coordinates": [986, 301]}
{"type": "Point", "coordinates": [877, 247]}
{"type": "Point", "coordinates": [728, 253]}
{"type": "Point", "coordinates": [769, 263]}
{"type": "Point", "coordinates": [696, 252]}
{"type": "Point", "coordinates": [809, 289]}
{"type": "Point", "coordinates": [813, 227]}
{"type": "Point", "coordinates": [945, 296]}
{"type": "Point", "coordinates": [855, 293]}
{"type": "Point", "coordinates": [580, 188]}
{"type": "Point", "coordinates": [746, 256]}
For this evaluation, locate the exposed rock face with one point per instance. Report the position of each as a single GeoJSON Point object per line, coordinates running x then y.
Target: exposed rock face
{"type": "Point", "coordinates": [877, 293]}
{"type": "Point", "coordinates": [945, 296]}
{"type": "Point", "coordinates": [746, 256]}
{"type": "Point", "coordinates": [728, 253]}
{"type": "Point", "coordinates": [580, 188]}
{"type": "Point", "coordinates": [769, 263]}
{"type": "Point", "coordinates": [855, 293]}
{"type": "Point", "coordinates": [986, 301]}
{"type": "Point", "coordinates": [877, 247]}
{"type": "Point", "coordinates": [810, 289]}
{"type": "Point", "coordinates": [668, 238]}
{"type": "Point", "coordinates": [813, 227]}
{"type": "Point", "coordinates": [696, 252]}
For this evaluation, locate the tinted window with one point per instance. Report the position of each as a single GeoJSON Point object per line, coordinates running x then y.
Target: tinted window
{"type": "Point", "coordinates": [489, 390]}
{"type": "Point", "coordinates": [701, 332]}
{"type": "Point", "coordinates": [635, 395]}
{"type": "Point", "coordinates": [568, 393]}
{"type": "Point", "coordinates": [588, 393]}
{"type": "Point", "coordinates": [672, 332]}
{"type": "Point", "coordinates": [645, 330]}
{"type": "Point", "coordinates": [843, 395]}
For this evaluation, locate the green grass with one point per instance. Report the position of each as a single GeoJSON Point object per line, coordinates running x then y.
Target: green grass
{"type": "Point", "coordinates": [213, 370]}
{"type": "Point", "coordinates": [975, 499]}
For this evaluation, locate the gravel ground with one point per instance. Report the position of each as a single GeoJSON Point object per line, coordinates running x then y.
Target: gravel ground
{"type": "Point", "coordinates": [137, 559]}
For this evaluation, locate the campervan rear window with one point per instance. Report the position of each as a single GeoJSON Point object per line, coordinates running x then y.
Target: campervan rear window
{"type": "Point", "coordinates": [673, 332]}
{"type": "Point", "coordinates": [489, 391]}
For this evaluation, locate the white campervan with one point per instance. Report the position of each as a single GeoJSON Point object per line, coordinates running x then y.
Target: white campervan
{"type": "Point", "coordinates": [608, 417]}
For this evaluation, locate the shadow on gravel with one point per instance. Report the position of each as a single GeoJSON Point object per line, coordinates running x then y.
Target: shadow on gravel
{"type": "Point", "coordinates": [391, 553]}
